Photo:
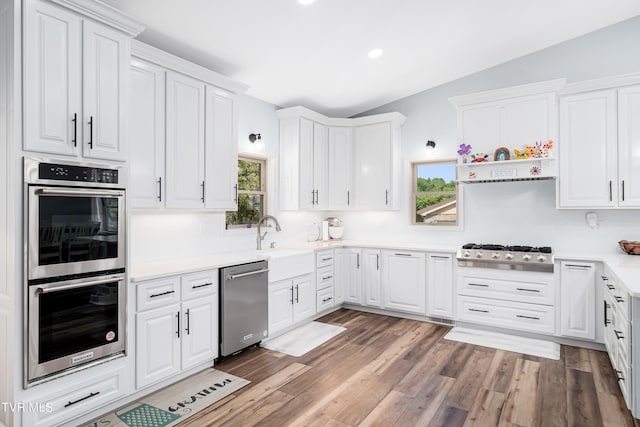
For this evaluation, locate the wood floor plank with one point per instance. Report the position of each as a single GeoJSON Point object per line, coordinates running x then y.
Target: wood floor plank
{"type": "Point", "coordinates": [520, 403]}
{"type": "Point", "coordinates": [405, 373]}
{"type": "Point", "coordinates": [486, 409]}
{"type": "Point", "coordinates": [582, 407]}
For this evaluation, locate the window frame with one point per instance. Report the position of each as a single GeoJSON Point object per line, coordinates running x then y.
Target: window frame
{"type": "Point", "coordinates": [263, 189]}
{"type": "Point", "coordinates": [414, 194]}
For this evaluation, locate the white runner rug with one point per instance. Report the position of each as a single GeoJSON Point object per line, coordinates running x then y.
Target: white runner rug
{"type": "Point", "coordinates": [532, 347]}
{"type": "Point", "coordinates": [303, 339]}
{"type": "Point", "coordinates": [175, 403]}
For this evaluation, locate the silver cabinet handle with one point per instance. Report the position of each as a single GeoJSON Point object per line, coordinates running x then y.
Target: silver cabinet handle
{"type": "Point", "coordinates": [202, 185]}
{"type": "Point", "coordinates": [201, 286]}
{"type": "Point", "coordinates": [578, 266]}
{"type": "Point", "coordinates": [327, 299]}
{"type": "Point", "coordinates": [178, 330]}
{"type": "Point", "coordinates": [527, 317]}
{"type": "Point", "coordinates": [313, 197]}
{"type": "Point", "coordinates": [348, 198]}
{"type": "Point", "coordinates": [610, 192]}
{"type": "Point", "coordinates": [161, 294]}
{"type": "Point", "coordinates": [358, 261]}
{"type": "Point", "coordinates": [618, 299]}
{"type": "Point", "coordinates": [327, 277]}
{"type": "Point", "coordinates": [386, 197]}
{"type": "Point", "coordinates": [528, 290]}
{"type": "Point", "coordinates": [91, 132]}
{"type": "Point", "coordinates": [236, 190]}
{"type": "Point", "coordinates": [75, 129]}
{"type": "Point", "coordinates": [618, 334]}
{"type": "Point", "coordinates": [160, 189]}
{"type": "Point", "coordinates": [377, 261]}
{"type": "Point", "coordinates": [480, 285]}
{"type": "Point", "coordinates": [398, 254]}
{"type": "Point", "coordinates": [89, 396]}
{"type": "Point", "coordinates": [291, 300]}
{"type": "Point", "coordinates": [249, 273]}
{"type": "Point", "coordinates": [479, 311]}
{"type": "Point", "coordinates": [439, 257]}
{"type": "Point", "coordinates": [188, 322]}
{"type": "Point", "coordinates": [623, 190]}
{"type": "Point", "coordinates": [297, 293]}
{"type": "Point", "coordinates": [326, 259]}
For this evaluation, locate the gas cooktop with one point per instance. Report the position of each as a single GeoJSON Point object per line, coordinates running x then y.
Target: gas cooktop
{"type": "Point", "coordinates": [508, 257]}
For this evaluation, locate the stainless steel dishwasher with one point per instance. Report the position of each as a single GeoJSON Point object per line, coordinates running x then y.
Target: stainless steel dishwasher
{"type": "Point", "coordinates": [244, 307]}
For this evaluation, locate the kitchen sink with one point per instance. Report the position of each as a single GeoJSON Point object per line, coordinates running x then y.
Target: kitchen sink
{"type": "Point", "coordinates": [287, 263]}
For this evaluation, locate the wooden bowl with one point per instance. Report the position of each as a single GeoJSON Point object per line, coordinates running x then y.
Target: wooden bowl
{"type": "Point", "coordinates": [631, 248]}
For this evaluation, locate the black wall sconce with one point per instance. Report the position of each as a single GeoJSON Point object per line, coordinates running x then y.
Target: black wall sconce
{"type": "Point", "coordinates": [431, 145]}
{"type": "Point", "coordinates": [253, 137]}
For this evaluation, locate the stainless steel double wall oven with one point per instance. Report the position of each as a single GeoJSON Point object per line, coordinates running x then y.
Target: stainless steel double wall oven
{"type": "Point", "coordinates": [75, 240]}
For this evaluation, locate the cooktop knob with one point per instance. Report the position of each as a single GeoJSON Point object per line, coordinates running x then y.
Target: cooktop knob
{"type": "Point", "coordinates": [508, 256]}
{"type": "Point", "coordinates": [526, 257]}
{"type": "Point", "coordinates": [478, 254]}
{"type": "Point", "coordinates": [495, 255]}
{"type": "Point", "coordinates": [466, 254]}
{"type": "Point", "coordinates": [542, 258]}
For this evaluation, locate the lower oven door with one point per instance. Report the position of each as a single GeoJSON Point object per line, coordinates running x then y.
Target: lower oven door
{"type": "Point", "coordinates": [73, 323]}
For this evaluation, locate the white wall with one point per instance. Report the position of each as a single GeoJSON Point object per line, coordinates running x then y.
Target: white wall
{"type": "Point", "coordinates": [503, 212]}
{"type": "Point", "coordinates": [512, 212]}
{"type": "Point", "coordinates": [170, 234]}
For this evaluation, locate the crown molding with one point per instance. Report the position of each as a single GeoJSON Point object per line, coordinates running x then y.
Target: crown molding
{"type": "Point", "coordinates": [104, 13]}
{"type": "Point", "coordinates": [508, 92]}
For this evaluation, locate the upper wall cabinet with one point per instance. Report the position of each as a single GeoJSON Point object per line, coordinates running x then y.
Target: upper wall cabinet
{"type": "Point", "coordinates": [511, 118]}
{"type": "Point", "coordinates": [185, 130]}
{"type": "Point", "coordinates": [338, 164]}
{"type": "Point", "coordinates": [599, 140]}
{"type": "Point", "coordinates": [75, 81]}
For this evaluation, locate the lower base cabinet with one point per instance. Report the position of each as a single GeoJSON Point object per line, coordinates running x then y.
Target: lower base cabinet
{"type": "Point", "coordinates": [404, 282]}
{"type": "Point", "coordinates": [176, 325]}
{"type": "Point", "coordinates": [291, 301]}
{"type": "Point", "coordinates": [578, 300]}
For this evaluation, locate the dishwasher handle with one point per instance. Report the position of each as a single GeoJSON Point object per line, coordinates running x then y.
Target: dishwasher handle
{"type": "Point", "coordinates": [249, 273]}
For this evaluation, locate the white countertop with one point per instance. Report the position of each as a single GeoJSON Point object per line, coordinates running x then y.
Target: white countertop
{"type": "Point", "coordinates": [401, 246]}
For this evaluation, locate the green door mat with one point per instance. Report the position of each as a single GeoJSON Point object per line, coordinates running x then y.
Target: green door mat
{"type": "Point", "coordinates": [147, 416]}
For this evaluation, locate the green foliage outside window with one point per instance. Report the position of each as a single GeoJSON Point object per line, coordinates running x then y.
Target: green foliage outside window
{"type": "Point", "coordinates": [251, 194]}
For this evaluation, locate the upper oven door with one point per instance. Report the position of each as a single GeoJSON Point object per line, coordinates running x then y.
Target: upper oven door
{"type": "Point", "coordinates": [74, 230]}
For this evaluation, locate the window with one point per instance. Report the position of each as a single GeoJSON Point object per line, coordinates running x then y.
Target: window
{"type": "Point", "coordinates": [435, 194]}
{"type": "Point", "coordinates": [252, 193]}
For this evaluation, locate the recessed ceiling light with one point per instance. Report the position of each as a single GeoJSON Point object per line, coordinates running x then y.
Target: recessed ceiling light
{"type": "Point", "coordinates": [375, 53]}
{"type": "Point", "coordinates": [306, 1]}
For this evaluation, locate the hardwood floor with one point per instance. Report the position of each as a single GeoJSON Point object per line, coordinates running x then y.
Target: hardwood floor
{"type": "Point", "coordinates": [385, 371]}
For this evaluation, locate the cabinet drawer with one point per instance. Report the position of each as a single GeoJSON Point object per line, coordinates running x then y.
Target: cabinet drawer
{"type": "Point", "coordinates": [623, 375]}
{"type": "Point", "coordinates": [512, 315]}
{"type": "Point", "coordinates": [324, 277]}
{"type": "Point", "coordinates": [325, 299]}
{"type": "Point", "coordinates": [622, 335]}
{"type": "Point", "coordinates": [203, 283]}
{"type": "Point", "coordinates": [540, 292]}
{"type": "Point", "coordinates": [78, 400]}
{"type": "Point", "coordinates": [324, 258]}
{"type": "Point", "coordinates": [158, 293]}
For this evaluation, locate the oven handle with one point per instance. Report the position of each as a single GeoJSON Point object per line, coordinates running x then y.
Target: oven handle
{"type": "Point", "coordinates": [42, 290]}
{"type": "Point", "coordinates": [81, 192]}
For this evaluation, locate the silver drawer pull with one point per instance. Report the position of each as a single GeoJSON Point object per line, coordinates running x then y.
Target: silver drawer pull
{"type": "Point", "coordinates": [327, 299]}
{"type": "Point", "coordinates": [619, 299]}
{"type": "Point", "coordinates": [605, 278]}
{"type": "Point", "coordinates": [89, 396]}
{"type": "Point", "coordinates": [527, 317]}
{"type": "Point", "coordinates": [479, 311]}
{"type": "Point", "coordinates": [201, 286]}
{"type": "Point", "coordinates": [527, 290]}
{"type": "Point", "coordinates": [481, 285]}
{"type": "Point", "coordinates": [398, 254]}
{"type": "Point", "coordinates": [439, 257]}
{"type": "Point", "coordinates": [618, 334]}
{"type": "Point", "coordinates": [578, 266]}
{"type": "Point", "coordinates": [610, 287]}
{"type": "Point", "coordinates": [326, 259]}
{"type": "Point", "coordinates": [327, 277]}
{"type": "Point", "coordinates": [161, 294]}
{"type": "Point", "coordinates": [249, 273]}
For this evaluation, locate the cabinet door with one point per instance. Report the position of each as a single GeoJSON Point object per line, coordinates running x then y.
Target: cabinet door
{"type": "Point", "coordinates": [404, 281]}
{"type": "Point", "coordinates": [340, 275]}
{"type": "Point", "coordinates": [321, 165]}
{"type": "Point", "coordinates": [371, 277]}
{"type": "Point", "coordinates": [105, 60]}
{"type": "Point", "coordinates": [304, 303]}
{"type": "Point", "coordinates": [185, 142]}
{"type": "Point", "coordinates": [527, 119]}
{"type": "Point", "coordinates": [280, 305]}
{"type": "Point", "coordinates": [578, 300]}
{"type": "Point", "coordinates": [588, 153]}
{"type": "Point", "coordinates": [157, 345]}
{"type": "Point", "coordinates": [628, 143]}
{"type": "Point", "coordinates": [353, 277]}
{"type": "Point", "coordinates": [146, 133]}
{"type": "Point", "coordinates": [221, 150]}
{"type": "Point", "coordinates": [340, 167]}
{"type": "Point", "coordinates": [479, 126]}
{"type": "Point", "coordinates": [372, 171]}
{"type": "Point", "coordinates": [52, 74]}
{"type": "Point", "coordinates": [307, 189]}
{"type": "Point", "coordinates": [440, 285]}
{"type": "Point", "coordinates": [199, 331]}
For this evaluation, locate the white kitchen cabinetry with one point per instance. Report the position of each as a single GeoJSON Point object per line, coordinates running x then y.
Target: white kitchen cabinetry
{"type": "Point", "coordinates": [340, 167]}
{"type": "Point", "coordinates": [404, 283]}
{"type": "Point", "coordinates": [325, 279]}
{"type": "Point", "coordinates": [335, 164]}
{"type": "Point", "coordinates": [440, 289]}
{"type": "Point", "coordinates": [176, 325]}
{"type": "Point", "coordinates": [618, 338]}
{"type": "Point", "coordinates": [185, 142]}
{"type": "Point", "coordinates": [578, 300]}
{"type": "Point", "coordinates": [373, 159]}
{"type": "Point", "coordinates": [291, 301]}
{"type": "Point", "coordinates": [221, 149]}
{"type": "Point", "coordinates": [353, 292]}
{"type": "Point", "coordinates": [146, 129]}
{"type": "Point", "coordinates": [599, 167]}
{"type": "Point", "coordinates": [77, 74]}
{"type": "Point", "coordinates": [372, 277]}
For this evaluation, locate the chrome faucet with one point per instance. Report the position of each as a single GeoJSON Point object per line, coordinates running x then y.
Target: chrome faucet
{"type": "Point", "coordinates": [260, 237]}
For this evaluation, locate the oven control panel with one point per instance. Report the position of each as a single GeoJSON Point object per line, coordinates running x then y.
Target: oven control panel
{"type": "Point", "coordinates": [59, 172]}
